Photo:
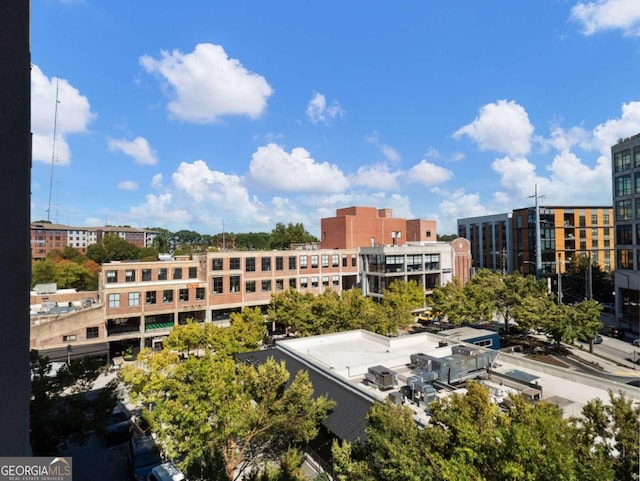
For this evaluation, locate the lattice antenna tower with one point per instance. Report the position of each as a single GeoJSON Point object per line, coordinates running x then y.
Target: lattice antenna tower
{"type": "Point", "coordinates": [54, 157]}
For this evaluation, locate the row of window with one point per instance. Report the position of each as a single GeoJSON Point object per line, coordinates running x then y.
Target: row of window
{"type": "Point", "coordinates": [151, 297]}
{"type": "Point", "coordinates": [622, 159]}
{"type": "Point", "coordinates": [625, 211]}
{"type": "Point", "coordinates": [624, 234]}
{"type": "Point", "coordinates": [624, 259]}
{"type": "Point", "coordinates": [91, 333]}
{"type": "Point", "coordinates": [268, 263]}
{"type": "Point", "coordinates": [146, 274]}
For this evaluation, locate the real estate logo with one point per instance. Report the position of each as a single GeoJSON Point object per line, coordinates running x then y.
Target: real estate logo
{"type": "Point", "coordinates": [36, 469]}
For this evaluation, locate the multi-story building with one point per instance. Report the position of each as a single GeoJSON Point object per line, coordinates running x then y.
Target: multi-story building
{"type": "Point", "coordinates": [490, 238]}
{"type": "Point", "coordinates": [354, 227]}
{"type": "Point", "coordinates": [429, 264]}
{"type": "Point", "coordinates": [626, 201]}
{"type": "Point", "coordinates": [46, 237]}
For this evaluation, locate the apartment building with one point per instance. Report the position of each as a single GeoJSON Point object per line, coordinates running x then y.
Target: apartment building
{"type": "Point", "coordinates": [358, 226]}
{"type": "Point", "coordinates": [625, 156]}
{"type": "Point", "coordinates": [490, 238]}
{"type": "Point", "coordinates": [46, 237]}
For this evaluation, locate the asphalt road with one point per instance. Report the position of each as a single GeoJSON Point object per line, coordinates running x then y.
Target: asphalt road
{"type": "Point", "coordinates": [96, 462]}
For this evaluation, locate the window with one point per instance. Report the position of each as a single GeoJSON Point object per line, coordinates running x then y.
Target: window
{"type": "Point", "coordinates": [325, 260]}
{"type": "Point", "coordinates": [216, 264]}
{"type": "Point", "coordinates": [130, 275]}
{"type": "Point", "coordinates": [217, 285]}
{"type": "Point", "coordinates": [623, 185]}
{"type": "Point", "coordinates": [354, 260]}
{"type": "Point", "coordinates": [625, 259]}
{"type": "Point", "coordinates": [200, 293]}
{"type": "Point", "coordinates": [234, 284]}
{"type": "Point", "coordinates": [325, 281]}
{"type": "Point", "coordinates": [167, 296]}
{"type": "Point", "coordinates": [335, 260]}
{"type": "Point", "coordinates": [314, 281]}
{"type": "Point", "coordinates": [344, 260]}
{"type": "Point", "coordinates": [146, 275]}
{"type": "Point", "coordinates": [636, 155]}
{"type": "Point", "coordinates": [293, 283]}
{"type": "Point", "coordinates": [93, 332]}
{"type": "Point", "coordinates": [250, 286]}
{"type": "Point", "coordinates": [622, 160]}
{"type": "Point", "coordinates": [304, 283]}
{"type": "Point", "coordinates": [112, 277]}
{"type": "Point", "coordinates": [134, 299]}
{"type": "Point", "coordinates": [234, 263]}
{"type": "Point", "coordinates": [335, 280]}
{"type": "Point", "coordinates": [623, 209]}
{"type": "Point", "coordinates": [184, 295]}
{"type": "Point", "coordinates": [162, 274]}
{"type": "Point", "coordinates": [605, 219]}
{"type": "Point", "coordinates": [266, 286]}
{"type": "Point", "coordinates": [177, 272]}
{"type": "Point", "coordinates": [250, 264]}
{"type": "Point", "coordinates": [314, 261]}
{"type": "Point", "coordinates": [114, 301]}
{"type": "Point", "coordinates": [303, 262]}
{"type": "Point", "coordinates": [69, 338]}
{"type": "Point", "coordinates": [624, 234]}
{"type": "Point", "coordinates": [193, 272]}
{"type": "Point", "coordinates": [266, 264]}
{"type": "Point", "coordinates": [427, 234]}
{"type": "Point", "coordinates": [483, 343]}
{"type": "Point", "coordinates": [292, 263]}
{"type": "Point", "coordinates": [279, 263]}
{"type": "Point", "coordinates": [151, 297]}
{"type": "Point", "coordinates": [279, 284]}
{"type": "Point", "coordinates": [594, 219]}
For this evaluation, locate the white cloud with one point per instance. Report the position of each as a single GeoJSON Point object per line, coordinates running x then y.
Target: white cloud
{"type": "Point", "coordinates": [319, 112]}
{"type": "Point", "coordinates": [207, 84]}
{"type": "Point", "coordinates": [502, 126]}
{"type": "Point", "coordinates": [608, 14]}
{"type": "Point", "coordinates": [74, 116]}
{"type": "Point", "coordinates": [387, 151]}
{"type": "Point", "coordinates": [137, 148]}
{"type": "Point", "coordinates": [274, 169]}
{"type": "Point", "coordinates": [607, 134]}
{"type": "Point", "coordinates": [562, 139]}
{"type": "Point", "coordinates": [428, 174]}
{"type": "Point", "coordinates": [128, 185]}
{"type": "Point", "coordinates": [156, 181]}
{"type": "Point", "coordinates": [376, 176]}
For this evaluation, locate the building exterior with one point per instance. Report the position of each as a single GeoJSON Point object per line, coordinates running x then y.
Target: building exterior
{"type": "Point", "coordinates": [46, 237]}
{"type": "Point", "coordinates": [491, 242]}
{"type": "Point", "coordinates": [354, 227]}
{"type": "Point", "coordinates": [625, 169]}
{"type": "Point", "coordinates": [429, 264]}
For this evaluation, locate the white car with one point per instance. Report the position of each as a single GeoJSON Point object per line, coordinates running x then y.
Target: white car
{"type": "Point", "coordinates": [636, 342]}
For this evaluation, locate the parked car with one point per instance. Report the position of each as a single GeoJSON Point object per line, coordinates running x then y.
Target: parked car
{"type": "Point", "coordinates": [636, 342]}
{"type": "Point", "coordinates": [612, 332]}
{"type": "Point", "coordinates": [595, 340]}
{"type": "Point", "coordinates": [144, 455]}
{"type": "Point", "coordinates": [166, 472]}
{"type": "Point", "coordinates": [118, 429]}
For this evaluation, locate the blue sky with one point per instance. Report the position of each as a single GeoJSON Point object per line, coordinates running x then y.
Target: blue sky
{"type": "Point", "coordinates": [238, 115]}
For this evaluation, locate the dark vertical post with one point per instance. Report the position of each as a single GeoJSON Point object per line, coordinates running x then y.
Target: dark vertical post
{"type": "Point", "coordinates": [15, 256]}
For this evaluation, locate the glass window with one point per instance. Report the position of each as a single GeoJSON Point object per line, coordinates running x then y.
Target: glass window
{"type": "Point", "coordinates": [146, 275]}
{"type": "Point", "coordinates": [293, 283]}
{"type": "Point", "coordinates": [114, 301]}
{"type": "Point", "coordinates": [184, 295]}
{"type": "Point", "coordinates": [623, 185]}
{"type": "Point", "coordinates": [216, 285]}
{"type": "Point", "coordinates": [112, 277]}
{"type": "Point", "coordinates": [279, 263]}
{"type": "Point", "coordinates": [134, 298]}
{"type": "Point", "coordinates": [354, 260]}
{"type": "Point", "coordinates": [93, 332]}
{"type": "Point", "coordinates": [314, 261]}
{"type": "Point", "coordinates": [636, 155]}
{"type": "Point", "coordinates": [162, 273]}
{"type": "Point", "coordinates": [151, 297]}
{"type": "Point", "coordinates": [594, 219]}
{"type": "Point", "coordinates": [623, 209]}
{"type": "Point", "coordinates": [625, 259]}
{"type": "Point", "coordinates": [622, 160]}
{"type": "Point", "coordinates": [335, 260]}
{"type": "Point", "coordinates": [344, 260]}
{"type": "Point", "coordinates": [200, 293]}
{"type": "Point", "coordinates": [335, 280]}
{"type": "Point", "coordinates": [177, 272]}
{"type": "Point", "coordinates": [624, 234]}
{"type": "Point", "coordinates": [279, 284]}
{"type": "Point", "coordinates": [266, 264]}
{"type": "Point", "coordinates": [250, 286]}
{"type": "Point", "coordinates": [234, 283]}
{"type": "Point", "coordinates": [266, 285]}
{"type": "Point", "coordinates": [605, 219]}
{"type": "Point", "coordinates": [250, 265]}
{"type": "Point", "coordinates": [292, 263]}
{"type": "Point", "coordinates": [314, 281]}
{"type": "Point", "coordinates": [130, 275]}
{"type": "Point", "coordinates": [303, 262]}
{"type": "Point", "coordinates": [325, 281]}
{"type": "Point", "coordinates": [193, 272]}
{"type": "Point", "coordinates": [304, 283]}
{"type": "Point", "coordinates": [325, 260]}
{"type": "Point", "coordinates": [216, 264]}
{"type": "Point", "coordinates": [234, 263]}
{"type": "Point", "coordinates": [167, 296]}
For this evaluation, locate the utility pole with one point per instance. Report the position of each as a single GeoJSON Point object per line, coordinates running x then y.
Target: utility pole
{"type": "Point", "coordinates": [538, 236]}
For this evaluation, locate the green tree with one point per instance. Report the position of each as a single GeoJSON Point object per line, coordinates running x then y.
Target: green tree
{"type": "Point", "coordinates": [399, 301]}
{"type": "Point", "coordinates": [451, 301]}
{"type": "Point", "coordinates": [61, 410]}
{"type": "Point", "coordinates": [70, 275]}
{"type": "Point", "coordinates": [43, 272]}
{"type": "Point", "coordinates": [282, 237]}
{"type": "Point", "coordinates": [222, 418]}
